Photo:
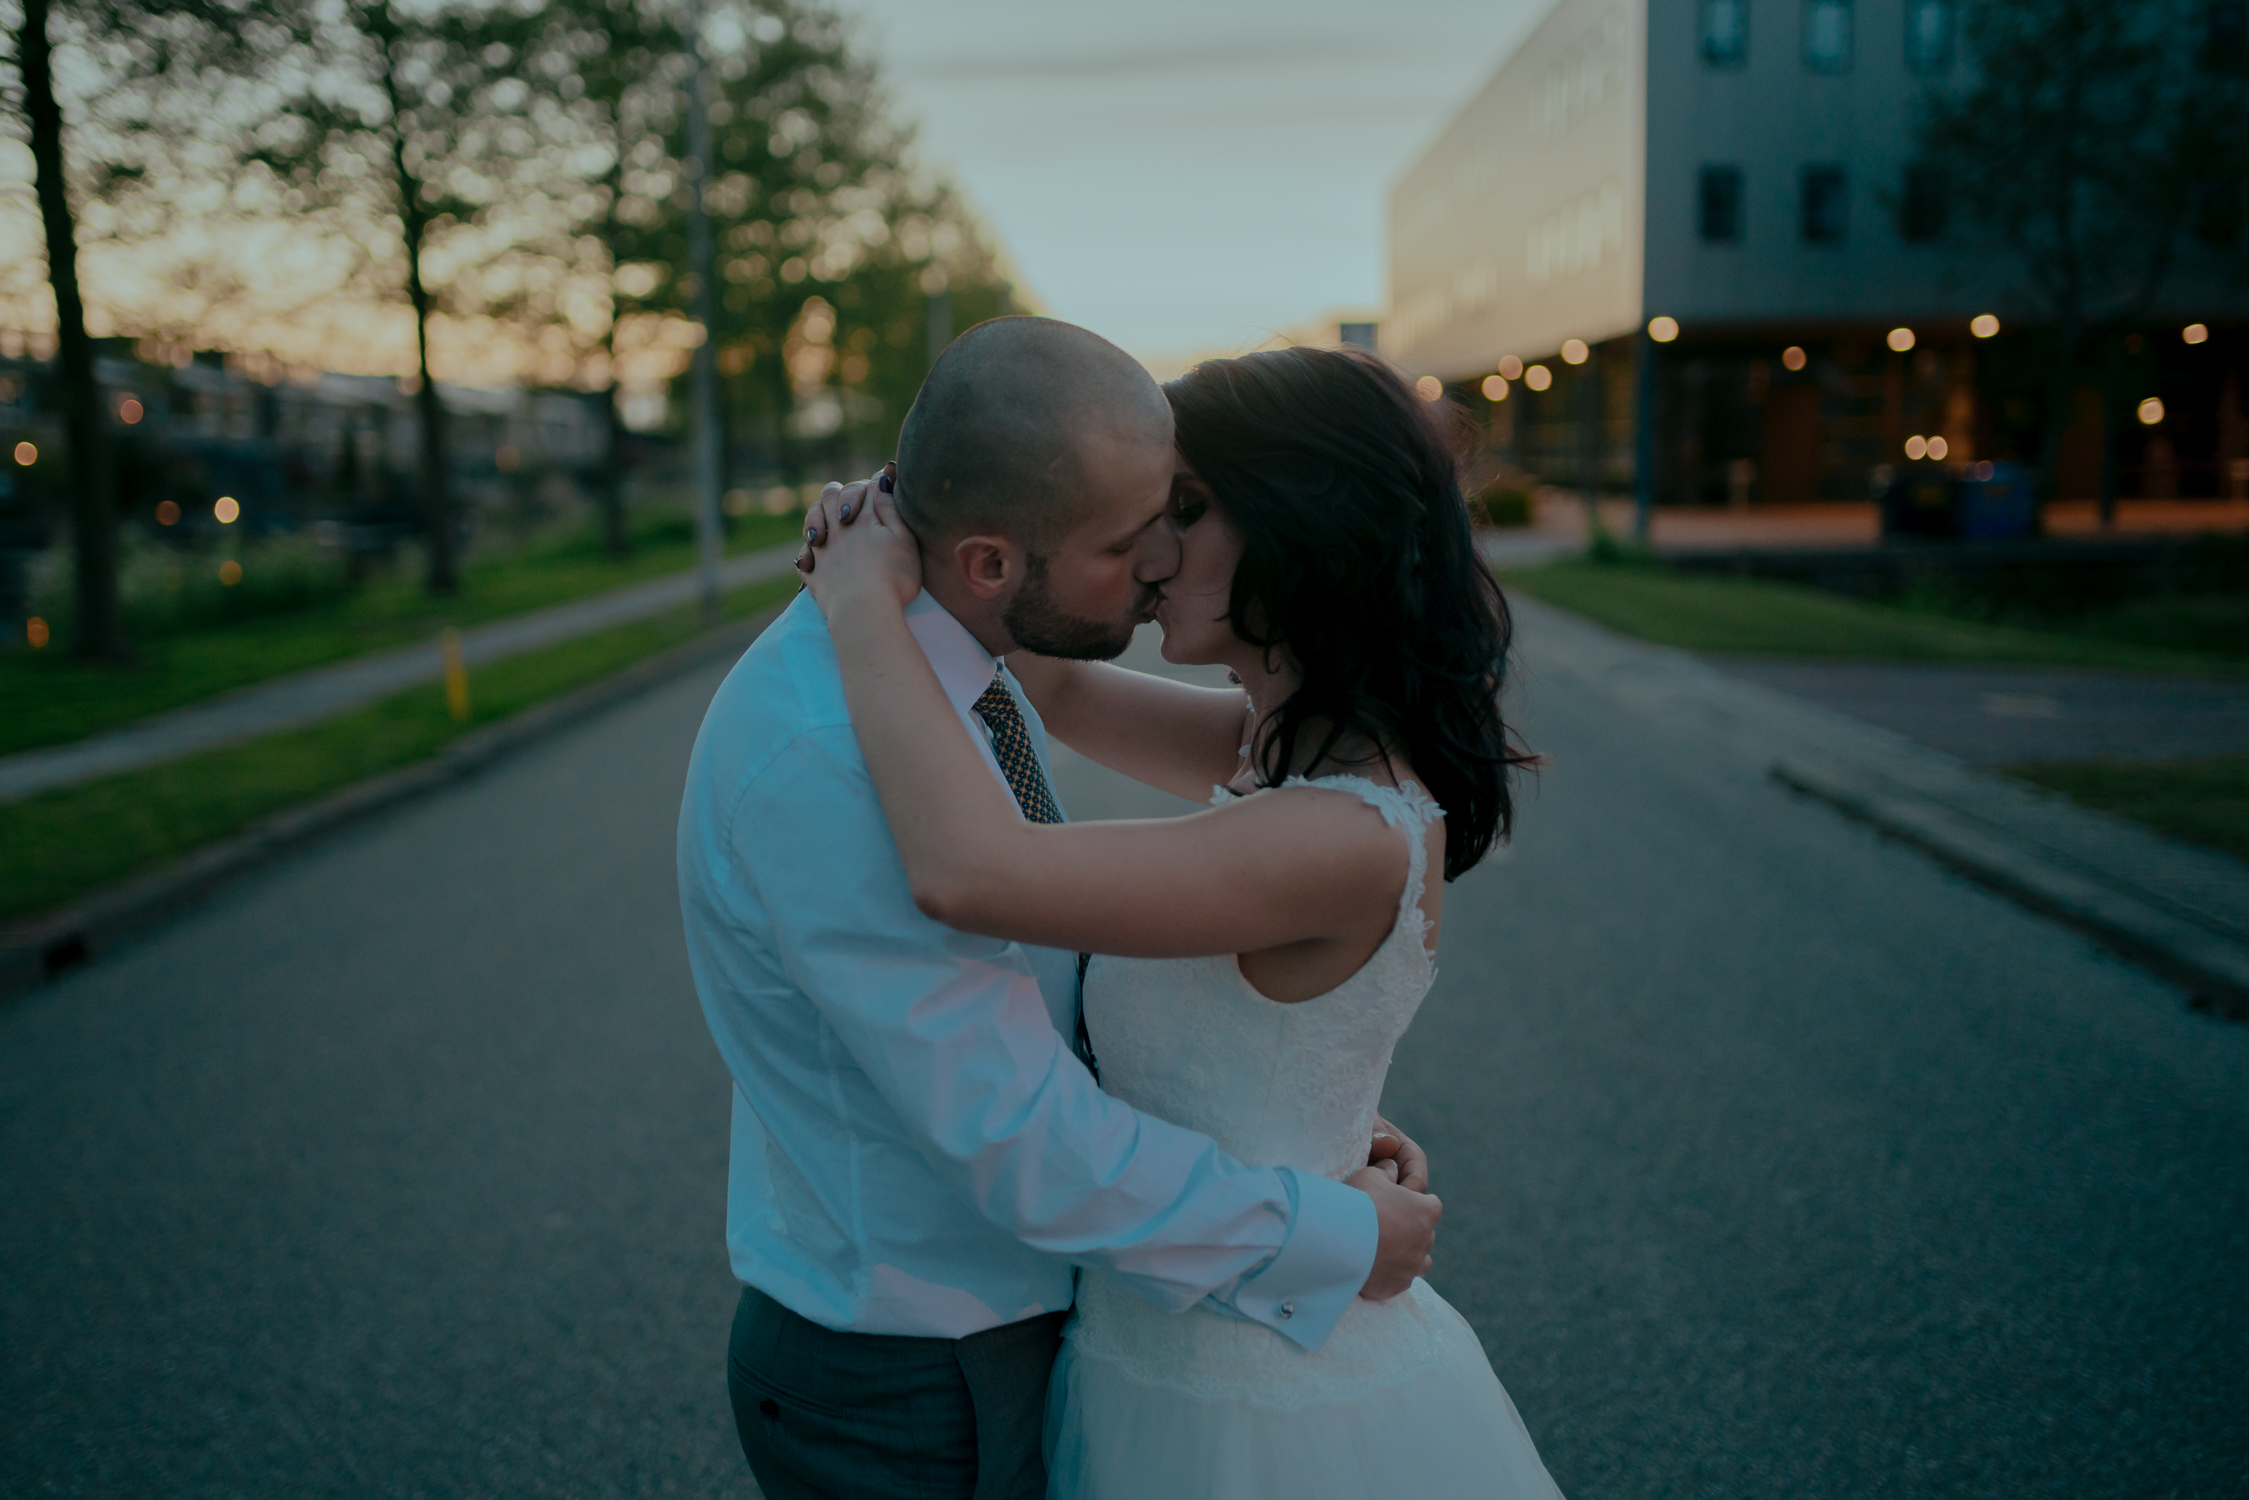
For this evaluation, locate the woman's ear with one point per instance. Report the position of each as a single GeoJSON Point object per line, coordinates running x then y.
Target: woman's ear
{"type": "Point", "coordinates": [987, 564]}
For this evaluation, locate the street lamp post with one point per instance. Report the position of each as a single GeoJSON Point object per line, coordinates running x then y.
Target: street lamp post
{"type": "Point", "coordinates": [706, 313]}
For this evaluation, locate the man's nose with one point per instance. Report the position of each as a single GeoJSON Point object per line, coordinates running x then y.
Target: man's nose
{"type": "Point", "coordinates": [1158, 558]}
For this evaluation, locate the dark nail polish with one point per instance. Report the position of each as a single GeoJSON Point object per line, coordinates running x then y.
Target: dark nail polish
{"type": "Point", "coordinates": [885, 483]}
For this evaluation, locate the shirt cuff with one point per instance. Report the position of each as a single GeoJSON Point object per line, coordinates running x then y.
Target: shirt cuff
{"type": "Point", "coordinates": [1303, 1291]}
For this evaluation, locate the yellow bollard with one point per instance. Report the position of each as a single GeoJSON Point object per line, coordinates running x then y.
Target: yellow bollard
{"type": "Point", "coordinates": [456, 677]}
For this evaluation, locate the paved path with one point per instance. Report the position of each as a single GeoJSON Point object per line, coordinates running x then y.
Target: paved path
{"type": "Point", "coordinates": [323, 692]}
{"type": "Point", "coordinates": [1995, 715]}
{"type": "Point", "coordinates": [1778, 1162]}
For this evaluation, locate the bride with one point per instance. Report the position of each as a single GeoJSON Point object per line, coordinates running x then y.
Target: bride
{"type": "Point", "coordinates": [1257, 962]}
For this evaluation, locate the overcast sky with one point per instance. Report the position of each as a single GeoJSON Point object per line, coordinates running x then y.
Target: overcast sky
{"type": "Point", "coordinates": [1185, 176]}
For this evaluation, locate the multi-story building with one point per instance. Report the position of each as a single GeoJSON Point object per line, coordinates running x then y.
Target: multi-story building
{"type": "Point", "coordinates": [1707, 217]}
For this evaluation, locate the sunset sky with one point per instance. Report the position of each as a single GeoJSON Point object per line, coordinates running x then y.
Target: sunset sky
{"type": "Point", "coordinates": [1186, 176]}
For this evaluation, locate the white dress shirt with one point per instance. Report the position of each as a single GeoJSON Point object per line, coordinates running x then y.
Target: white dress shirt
{"type": "Point", "coordinates": [915, 1149]}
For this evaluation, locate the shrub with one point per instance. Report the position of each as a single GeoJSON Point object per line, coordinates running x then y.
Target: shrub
{"type": "Point", "coordinates": [1503, 505]}
{"type": "Point", "coordinates": [167, 590]}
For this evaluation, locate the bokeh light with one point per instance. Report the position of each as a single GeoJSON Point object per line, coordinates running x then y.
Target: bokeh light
{"type": "Point", "coordinates": [35, 631]}
{"type": "Point", "coordinates": [1901, 339]}
{"type": "Point", "coordinates": [1511, 367]}
{"type": "Point", "coordinates": [26, 454]}
{"type": "Point", "coordinates": [1938, 447]}
{"type": "Point", "coordinates": [2195, 333]}
{"type": "Point", "coordinates": [167, 513]}
{"type": "Point", "coordinates": [1983, 325]}
{"type": "Point", "coordinates": [128, 411]}
{"type": "Point", "coordinates": [227, 510]}
{"type": "Point", "coordinates": [1985, 469]}
{"type": "Point", "coordinates": [230, 572]}
{"type": "Point", "coordinates": [1663, 330]}
{"type": "Point", "coordinates": [1495, 388]}
{"type": "Point", "coordinates": [2151, 411]}
{"type": "Point", "coordinates": [1793, 357]}
{"type": "Point", "coordinates": [1538, 377]}
{"type": "Point", "coordinates": [1429, 387]}
{"type": "Point", "coordinates": [1574, 352]}
{"type": "Point", "coordinates": [1917, 447]}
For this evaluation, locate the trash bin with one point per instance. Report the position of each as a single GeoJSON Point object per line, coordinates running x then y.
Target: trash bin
{"type": "Point", "coordinates": [1996, 500]}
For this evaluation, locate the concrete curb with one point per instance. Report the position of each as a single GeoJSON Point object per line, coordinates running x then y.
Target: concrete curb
{"type": "Point", "coordinates": [2180, 911]}
{"type": "Point", "coordinates": [40, 948]}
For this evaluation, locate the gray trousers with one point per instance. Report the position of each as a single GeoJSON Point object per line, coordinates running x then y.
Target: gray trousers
{"type": "Point", "coordinates": [860, 1416]}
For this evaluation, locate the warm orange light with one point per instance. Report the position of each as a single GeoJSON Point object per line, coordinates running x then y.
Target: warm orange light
{"type": "Point", "coordinates": [1901, 339]}
{"type": "Point", "coordinates": [167, 513]}
{"type": "Point", "coordinates": [1495, 388]}
{"type": "Point", "coordinates": [228, 510]}
{"type": "Point", "coordinates": [230, 572]}
{"type": "Point", "coordinates": [1574, 352]}
{"type": "Point", "coordinates": [35, 631]}
{"type": "Point", "coordinates": [2196, 333]}
{"type": "Point", "coordinates": [1511, 367]}
{"type": "Point", "coordinates": [2151, 411]}
{"type": "Point", "coordinates": [128, 411]}
{"type": "Point", "coordinates": [1983, 325]}
{"type": "Point", "coordinates": [1793, 357]}
{"type": "Point", "coordinates": [1538, 377]}
{"type": "Point", "coordinates": [1663, 330]}
{"type": "Point", "coordinates": [1429, 387]}
{"type": "Point", "coordinates": [1938, 447]}
{"type": "Point", "coordinates": [1916, 447]}
{"type": "Point", "coordinates": [1985, 469]}
{"type": "Point", "coordinates": [26, 454]}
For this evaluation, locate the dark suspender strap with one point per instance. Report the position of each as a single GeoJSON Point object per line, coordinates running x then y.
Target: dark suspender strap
{"type": "Point", "coordinates": [1085, 1039]}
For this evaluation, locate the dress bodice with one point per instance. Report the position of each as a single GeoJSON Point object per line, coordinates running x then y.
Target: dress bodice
{"type": "Point", "coordinates": [1274, 1084]}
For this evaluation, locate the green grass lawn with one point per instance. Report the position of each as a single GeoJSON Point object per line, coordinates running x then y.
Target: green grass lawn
{"type": "Point", "coordinates": [1758, 617]}
{"type": "Point", "coordinates": [64, 843]}
{"type": "Point", "coordinates": [2204, 801]}
{"type": "Point", "coordinates": [46, 698]}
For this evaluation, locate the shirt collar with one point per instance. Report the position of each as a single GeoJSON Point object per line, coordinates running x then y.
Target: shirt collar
{"type": "Point", "coordinates": [964, 668]}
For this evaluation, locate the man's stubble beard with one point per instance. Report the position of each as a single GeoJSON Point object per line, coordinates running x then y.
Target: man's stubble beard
{"type": "Point", "coordinates": [1037, 623]}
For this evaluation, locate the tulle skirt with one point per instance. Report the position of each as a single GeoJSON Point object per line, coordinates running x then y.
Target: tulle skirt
{"type": "Point", "coordinates": [1423, 1419]}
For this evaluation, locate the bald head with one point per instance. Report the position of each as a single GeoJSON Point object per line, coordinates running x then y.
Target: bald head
{"type": "Point", "coordinates": [996, 440]}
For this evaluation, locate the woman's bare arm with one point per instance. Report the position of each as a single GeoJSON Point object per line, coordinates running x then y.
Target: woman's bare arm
{"type": "Point", "coordinates": [1168, 734]}
{"type": "Point", "coordinates": [1272, 869]}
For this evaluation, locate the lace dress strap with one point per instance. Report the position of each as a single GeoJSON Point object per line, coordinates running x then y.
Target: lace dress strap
{"type": "Point", "coordinates": [1404, 806]}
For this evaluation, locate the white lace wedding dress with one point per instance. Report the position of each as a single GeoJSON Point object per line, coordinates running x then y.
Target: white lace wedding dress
{"type": "Point", "coordinates": [1400, 1401]}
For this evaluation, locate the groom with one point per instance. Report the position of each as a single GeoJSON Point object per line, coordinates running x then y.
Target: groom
{"type": "Point", "coordinates": [918, 1157]}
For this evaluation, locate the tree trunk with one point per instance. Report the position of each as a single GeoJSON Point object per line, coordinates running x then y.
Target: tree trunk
{"type": "Point", "coordinates": [615, 540]}
{"type": "Point", "coordinates": [437, 498]}
{"type": "Point", "coordinates": [99, 630]}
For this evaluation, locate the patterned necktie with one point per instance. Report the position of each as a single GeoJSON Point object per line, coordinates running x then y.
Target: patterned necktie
{"type": "Point", "coordinates": [1011, 745]}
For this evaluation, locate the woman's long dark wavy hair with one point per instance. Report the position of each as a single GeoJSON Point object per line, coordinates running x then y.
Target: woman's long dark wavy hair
{"type": "Point", "coordinates": [1359, 563]}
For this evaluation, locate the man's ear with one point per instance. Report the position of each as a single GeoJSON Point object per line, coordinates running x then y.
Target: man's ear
{"type": "Point", "coordinates": [987, 564]}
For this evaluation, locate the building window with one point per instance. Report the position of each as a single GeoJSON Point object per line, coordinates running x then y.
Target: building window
{"type": "Point", "coordinates": [1725, 33]}
{"type": "Point", "coordinates": [1928, 36]}
{"type": "Point", "coordinates": [1827, 35]}
{"type": "Point", "coordinates": [1921, 208]}
{"type": "Point", "coordinates": [1823, 204]}
{"type": "Point", "coordinates": [1718, 205]}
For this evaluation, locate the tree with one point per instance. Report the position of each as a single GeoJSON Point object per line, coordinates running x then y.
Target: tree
{"type": "Point", "coordinates": [608, 74]}
{"type": "Point", "coordinates": [825, 235]}
{"type": "Point", "coordinates": [2077, 148]}
{"type": "Point", "coordinates": [149, 57]}
{"type": "Point", "coordinates": [412, 131]}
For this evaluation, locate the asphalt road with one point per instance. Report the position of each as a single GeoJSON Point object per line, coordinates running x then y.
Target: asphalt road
{"type": "Point", "coordinates": [1777, 1161]}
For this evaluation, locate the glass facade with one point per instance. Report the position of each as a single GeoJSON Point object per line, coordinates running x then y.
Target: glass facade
{"type": "Point", "coordinates": [1725, 33]}
{"type": "Point", "coordinates": [1827, 35]}
{"type": "Point", "coordinates": [1718, 205]}
{"type": "Point", "coordinates": [1823, 204]}
{"type": "Point", "coordinates": [1928, 36]}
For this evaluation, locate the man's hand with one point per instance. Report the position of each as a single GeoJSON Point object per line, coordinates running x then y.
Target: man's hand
{"type": "Point", "coordinates": [1393, 1153]}
{"type": "Point", "coordinates": [1409, 1229]}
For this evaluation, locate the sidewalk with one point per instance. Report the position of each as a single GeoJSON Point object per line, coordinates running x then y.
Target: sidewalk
{"type": "Point", "coordinates": [2181, 911]}
{"type": "Point", "coordinates": [324, 692]}
{"type": "Point", "coordinates": [1560, 524]}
